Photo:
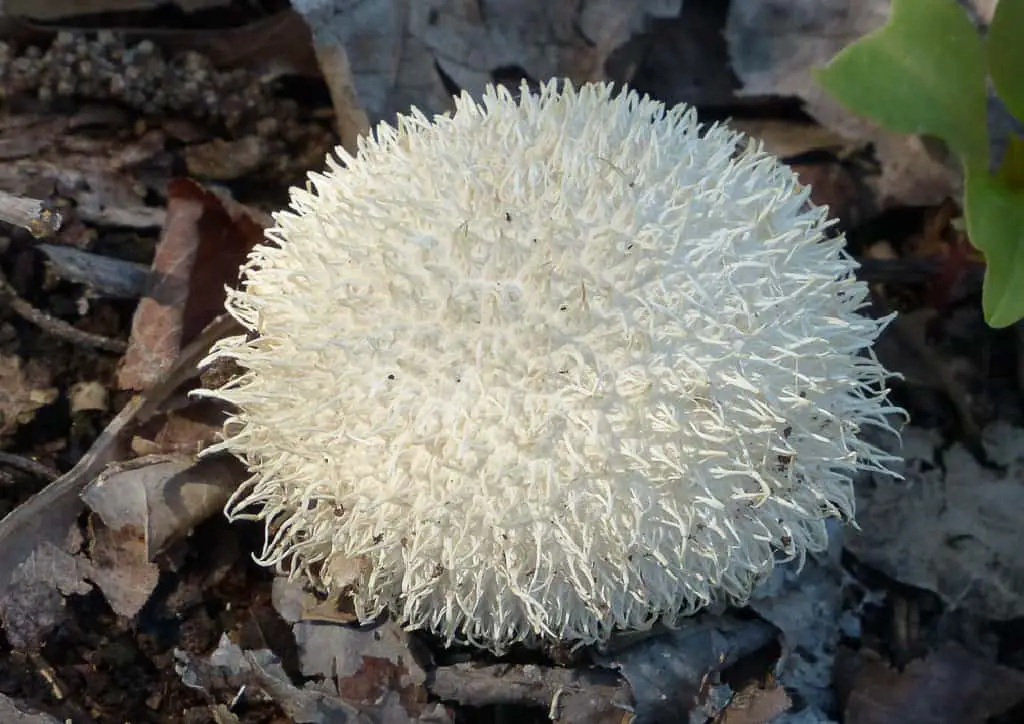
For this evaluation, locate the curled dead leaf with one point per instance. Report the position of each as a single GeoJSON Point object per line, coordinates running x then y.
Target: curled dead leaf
{"type": "Point", "coordinates": [162, 497]}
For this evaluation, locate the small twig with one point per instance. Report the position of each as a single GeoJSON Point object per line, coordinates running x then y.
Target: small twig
{"type": "Point", "coordinates": [54, 326]}
{"type": "Point", "coordinates": [37, 217]}
{"type": "Point", "coordinates": [30, 466]}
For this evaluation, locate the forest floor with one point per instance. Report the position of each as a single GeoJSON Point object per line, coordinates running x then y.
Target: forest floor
{"type": "Point", "coordinates": [157, 143]}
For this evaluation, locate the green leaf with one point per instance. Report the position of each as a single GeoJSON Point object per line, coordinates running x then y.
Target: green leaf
{"type": "Point", "coordinates": [1011, 167]}
{"type": "Point", "coordinates": [923, 72]}
{"type": "Point", "coordinates": [995, 225]}
{"type": "Point", "coordinates": [1005, 50]}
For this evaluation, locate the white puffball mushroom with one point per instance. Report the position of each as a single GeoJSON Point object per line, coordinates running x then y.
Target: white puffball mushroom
{"type": "Point", "coordinates": [548, 367]}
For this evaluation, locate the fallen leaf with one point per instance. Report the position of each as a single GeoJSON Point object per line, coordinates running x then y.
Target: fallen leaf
{"type": "Point", "coordinates": [156, 335]}
{"type": "Point", "coordinates": [395, 49]}
{"type": "Point", "coordinates": [190, 428]}
{"type": "Point", "coordinates": [667, 672]}
{"type": "Point", "coordinates": [775, 45]}
{"type": "Point", "coordinates": [952, 528]}
{"type": "Point", "coordinates": [120, 567]}
{"type": "Point", "coordinates": [950, 686]}
{"type": "Point", "coordinates": [805, 605]}
{"type": "Point", "coordinates": [161, 498]}
{"type": "Point", "coordinates": [229, 669]}
{"type": "Point", "coordinates": [370, 668]}
{"type": "Point", "coordinates": [33, 604]}
{"type": "Point", "coordinates": [203, 244]}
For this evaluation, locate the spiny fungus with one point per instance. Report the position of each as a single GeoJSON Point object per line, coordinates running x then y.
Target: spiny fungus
{"type": "Point", "coordinates": [549, 366]}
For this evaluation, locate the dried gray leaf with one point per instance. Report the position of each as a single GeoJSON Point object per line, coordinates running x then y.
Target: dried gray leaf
{"type": "Point", "coordinates": [393, 46]}
{"type": "Point", "coordinates": [774, 46]}
{"type": "Point", "coordinates": [952, 528]}
{"type": "Point", "coordinates": [229, 668]}
{"type": "Point", "coordinates": [805, 606]}
{"type": "Point", "coordinates": [33, 605]}
{"type": "Point", "coordinates": [667, 672]}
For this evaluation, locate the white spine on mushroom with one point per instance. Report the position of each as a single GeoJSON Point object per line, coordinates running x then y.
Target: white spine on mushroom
{"type": "Point", "coordinates": [548, 367]}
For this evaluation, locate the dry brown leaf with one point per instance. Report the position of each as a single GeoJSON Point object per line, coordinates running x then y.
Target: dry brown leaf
{"type": "Point", "coordinates": [120, 568]}
{"type": "Point", "coordinates": [371, 668]}
{"type": "Point", "coordinates": [156, 335]}
{"type": "Point", "coordinates": [366, 668]}
{"type": "Point", "coordinates": [951, 686]}
{"type": "Point", "coordinates": [203, 244]}
{"type": "Point", "coordinates": [24, 388]}
{"type": "Point", "coordinates": [191, 428]}
{"type": "Point", "coordinates": [161, 498]}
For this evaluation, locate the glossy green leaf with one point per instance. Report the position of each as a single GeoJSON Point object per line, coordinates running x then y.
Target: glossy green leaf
{"type": "Point", "coordinates": [995, 225]}
{"type": "Point", "coordinates": [923, 72]}
{"type": "Point", "coordinates": [1005, 50]}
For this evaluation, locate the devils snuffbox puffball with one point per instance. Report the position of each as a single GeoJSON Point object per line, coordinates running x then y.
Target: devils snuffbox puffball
{"type": "Point", "coordinates": [549, 366]}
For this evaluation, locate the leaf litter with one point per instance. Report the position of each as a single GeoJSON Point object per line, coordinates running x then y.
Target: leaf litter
{"type": "Point", "coordinates": [121, 569]}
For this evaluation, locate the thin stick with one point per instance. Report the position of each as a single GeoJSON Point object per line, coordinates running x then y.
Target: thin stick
{"type": "Point", "coordinates": [54, 326]}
